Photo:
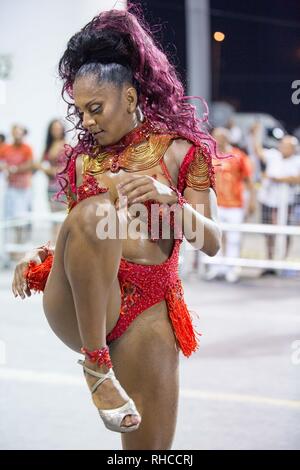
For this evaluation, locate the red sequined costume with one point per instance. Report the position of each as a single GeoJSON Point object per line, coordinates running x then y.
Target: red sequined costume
{"type": "Point", "coordinates": [142, 286]}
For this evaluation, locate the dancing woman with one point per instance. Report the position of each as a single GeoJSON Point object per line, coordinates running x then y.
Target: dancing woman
{"type": "Point", "coordinates": [118, 300]}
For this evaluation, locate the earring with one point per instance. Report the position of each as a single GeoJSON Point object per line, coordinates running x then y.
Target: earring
{"type": "Point", "coordinates": [140, 114]}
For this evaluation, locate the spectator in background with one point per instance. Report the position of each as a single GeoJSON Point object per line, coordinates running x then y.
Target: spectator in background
{"type": "Point", "coordinates": [277, 194]}
{"type": "Point", "coordinates": [17, 160]}
{"type": "Point", "coordinates": [257, 164]}
{"type": "Point", "coordinates": [50, 164]}
{"type": "Point", "coordinates": [235, 133]}
{"type": "Point", "coordinates": [232, 176]}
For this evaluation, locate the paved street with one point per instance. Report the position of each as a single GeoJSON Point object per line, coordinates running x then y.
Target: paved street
{"type": "Point", "coordinates": [240, 391]}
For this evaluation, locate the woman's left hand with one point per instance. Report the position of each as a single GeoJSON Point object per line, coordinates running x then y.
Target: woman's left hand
{"type": "Point", "coordinates": [141, 188]}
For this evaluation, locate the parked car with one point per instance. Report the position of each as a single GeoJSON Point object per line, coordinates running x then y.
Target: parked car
{"type": "Point", "coordinates": [222, 114]}
{"type": "Point", "coordinates": [272, 129]}
{"type": "Point", "coordinates": [296, 133]}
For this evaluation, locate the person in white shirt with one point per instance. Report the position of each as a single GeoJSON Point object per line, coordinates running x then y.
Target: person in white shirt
{"type": "Point", "coordinates": [279, 184]}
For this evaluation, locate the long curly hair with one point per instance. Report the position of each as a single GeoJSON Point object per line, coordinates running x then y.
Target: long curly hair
{"type": "Point", "coordinates": [119, 45]}
{"type": "Point", "coordinates": [49, 135]}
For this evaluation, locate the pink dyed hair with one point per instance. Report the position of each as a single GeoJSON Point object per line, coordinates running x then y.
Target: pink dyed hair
{"type": "Point", "coordinates": [161, 93]}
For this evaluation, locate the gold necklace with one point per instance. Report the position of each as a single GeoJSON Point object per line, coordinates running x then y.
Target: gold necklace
{"type": "Point", "coordinates": [141, 156]}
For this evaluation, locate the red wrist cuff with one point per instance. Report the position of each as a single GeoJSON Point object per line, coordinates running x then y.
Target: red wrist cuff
{"type": "Point", "coordinates": [36, 275]}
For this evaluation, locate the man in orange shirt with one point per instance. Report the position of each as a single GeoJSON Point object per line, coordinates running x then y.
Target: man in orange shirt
{"type": "Point", "coordinates": [232, 175]}
{"type": "Point", "coordinates": [17, 163]}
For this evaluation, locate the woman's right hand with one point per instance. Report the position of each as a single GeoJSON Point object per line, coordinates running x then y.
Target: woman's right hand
{"type": "Point", "coordinates": [19, 285]}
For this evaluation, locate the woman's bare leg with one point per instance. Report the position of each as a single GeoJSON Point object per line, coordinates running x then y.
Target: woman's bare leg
{"type": "Point", "coordinates": [146, 360]}
{"type": "Point", "coordinates": [58, 298]}
{"type": "Point", "coordinates": [91, 266]}
{"type": "Point", "coordinates": [88, 274]}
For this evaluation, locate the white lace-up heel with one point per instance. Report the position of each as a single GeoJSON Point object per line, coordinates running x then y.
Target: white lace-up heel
{"type": "Point", "coordinates": [113, 418]}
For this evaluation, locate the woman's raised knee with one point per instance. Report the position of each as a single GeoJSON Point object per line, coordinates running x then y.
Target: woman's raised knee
{"type": "Point", "coordinates": [95, 218]}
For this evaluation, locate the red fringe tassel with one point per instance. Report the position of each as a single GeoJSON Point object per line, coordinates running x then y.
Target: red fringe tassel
{"type": "Point", "coordinates": [181, 320]}
{"type": "Point", "coordinates": [37, 274]}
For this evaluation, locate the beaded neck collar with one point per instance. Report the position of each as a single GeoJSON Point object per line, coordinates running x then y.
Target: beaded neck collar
{"type": "Point", "coordinates": [133, 137]}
